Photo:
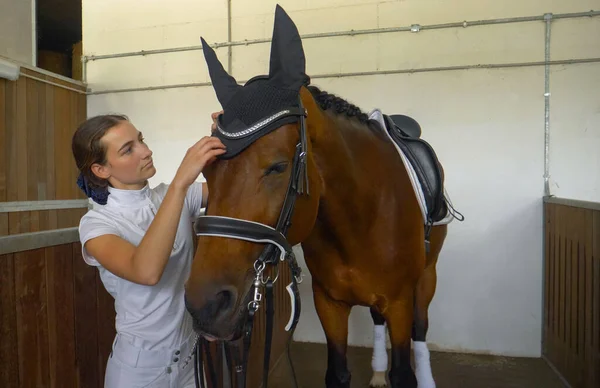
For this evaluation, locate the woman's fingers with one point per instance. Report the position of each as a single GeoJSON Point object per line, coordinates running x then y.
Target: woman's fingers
{"type": "Point", "coordinates": [209, 141]}
{"type": "Point", "coordinates": [210, 146]}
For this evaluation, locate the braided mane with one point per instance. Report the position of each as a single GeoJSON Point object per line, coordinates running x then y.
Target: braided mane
{"type": "Point", "coordinates": [328, 101]}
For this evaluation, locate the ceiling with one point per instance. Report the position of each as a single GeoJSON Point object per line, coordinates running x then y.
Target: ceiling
{"type": "Point", "coordinates": [58, 24]}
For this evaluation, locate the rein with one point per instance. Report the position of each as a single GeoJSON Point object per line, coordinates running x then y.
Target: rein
{"type": "Point", "coordinates": [277, 249]}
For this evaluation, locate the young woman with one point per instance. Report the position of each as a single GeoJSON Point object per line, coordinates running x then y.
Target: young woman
{"type": "Point", "coordinates": [140, 239]}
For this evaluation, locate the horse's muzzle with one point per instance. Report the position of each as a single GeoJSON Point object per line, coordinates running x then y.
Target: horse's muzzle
{"type": "Point", "coordinates": [213, 310]}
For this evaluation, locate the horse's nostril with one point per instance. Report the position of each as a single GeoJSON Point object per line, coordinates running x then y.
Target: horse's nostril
{"type": "Point", "coordinates": [211, 306]}
{"type": "Point", "coordinates": [224, 300]}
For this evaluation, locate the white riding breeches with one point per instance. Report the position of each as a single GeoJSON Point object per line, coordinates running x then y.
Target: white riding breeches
{"type": "Point", "coordinates": [130, 366]}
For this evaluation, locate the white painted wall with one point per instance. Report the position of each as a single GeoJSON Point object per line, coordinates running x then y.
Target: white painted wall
{"type": "Point", "coordinates": [487, 126]}
{"type": "Point", "coordinates": [16, 32]}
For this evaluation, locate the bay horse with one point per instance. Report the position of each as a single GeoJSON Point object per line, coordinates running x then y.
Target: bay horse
{"type": "Point", "coordinates": [306, 167]}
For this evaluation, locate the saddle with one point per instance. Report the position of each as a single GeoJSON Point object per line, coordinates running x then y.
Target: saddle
{"type": "Point", "coordinates": [406, 133]}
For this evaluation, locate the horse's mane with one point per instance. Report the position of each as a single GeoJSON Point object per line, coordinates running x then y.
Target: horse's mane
{"type": "Point", "coordinates": [328, 101]}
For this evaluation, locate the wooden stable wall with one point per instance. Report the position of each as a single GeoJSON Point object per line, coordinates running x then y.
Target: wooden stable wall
{"type": "Point", "coordinates": [37, 121]}
{"type": "Point", "coordinates": [571, 340]}
{"type": "Point", "coordinates": [56, 318]}
{"type": "Point", "coordinates": [56, 322]}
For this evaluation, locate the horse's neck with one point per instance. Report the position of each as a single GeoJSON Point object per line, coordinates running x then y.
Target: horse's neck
{"type": "Point", "coordinates": [351, 158]}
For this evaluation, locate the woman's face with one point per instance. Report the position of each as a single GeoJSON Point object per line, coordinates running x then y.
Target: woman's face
{"type": "Point", "coordinates": [128, 159]}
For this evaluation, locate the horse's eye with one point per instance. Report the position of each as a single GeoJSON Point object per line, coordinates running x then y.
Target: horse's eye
{"type": "Point", "coordinates": [276, 168]}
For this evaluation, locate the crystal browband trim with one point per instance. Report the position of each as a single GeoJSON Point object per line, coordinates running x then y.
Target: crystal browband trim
{"type": "Point", "coordinates": [254, 128]}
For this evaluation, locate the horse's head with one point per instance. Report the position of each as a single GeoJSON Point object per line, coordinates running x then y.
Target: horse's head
{"type": "Point", "coordinates": [268, 159]}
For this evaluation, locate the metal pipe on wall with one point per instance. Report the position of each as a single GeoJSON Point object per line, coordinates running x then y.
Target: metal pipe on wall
{"type": "Point", "coordinates": [375, 72]}
{"type": "Point", "coordinates": [411, 28]}
{"type": "Point", "coordinates": [229, 48]}
{"type": "Point", "coordinates": [548, 20]}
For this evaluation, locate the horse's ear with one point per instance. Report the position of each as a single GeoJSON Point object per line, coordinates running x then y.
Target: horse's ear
{"type": "Point", "coordinates": [287, 64]}
{"type": "Point", "coordinates": [225, 85]}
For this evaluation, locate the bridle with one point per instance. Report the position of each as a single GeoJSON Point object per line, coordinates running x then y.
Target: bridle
{"type": "Point", "coordinates": [277, 248]}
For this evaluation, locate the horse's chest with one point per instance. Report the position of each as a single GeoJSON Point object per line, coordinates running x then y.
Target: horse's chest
{"type": "Point", "coordinates": [345, 284]}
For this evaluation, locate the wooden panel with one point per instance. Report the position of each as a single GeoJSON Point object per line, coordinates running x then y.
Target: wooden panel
{"type": "Point", "coordinates": [40, 154]}
{"type": "Point", "coordinates": [31, 149]}
{"type": "Point", "coordinates": [52, 319]}
{"type": "Point", "coordinates": [572, 293]}
{"type": "Point", "coordinates": [61, 317]}
{"type": "Point", "coordinates": [589, 294]}
{"type": "Point", "coordinates": [63, 158]}
{"type": "Point", "coordinates": [86, 322]}
{"type": "Point", "coordinates": [36, 127]}
{"type": "Point", "coordinates": [38, 305]}
{"type": "Point", "coordinates": [21, 135]}
{"type": "Point", "coordinates": [20, 221]}
{"type": "Point", "coordinates": [2, 140]}
{"type": "Point", "coordinates": [3, 156]}
{"type": "Point", "coordinates": [71, 171]}
{"type": "Point", "coordinates": [10, 154]}
{"type": "Point", "coordinates": [32, 321]}
{"type": "Point", "coordinates": [50, 154]}
{"type": "Point", "coordinates": [9, 367]}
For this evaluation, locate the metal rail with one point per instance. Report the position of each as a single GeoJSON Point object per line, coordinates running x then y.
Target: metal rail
{"type": "Point", "coordinates": [26, 206]}
{"type": "Point", "coordinates": [411, 28]}
{"type": "Point", "coordinates": [572, 202]}
{"type": "Point", "coordinates": [28, 241]}
{"type": "Point", "coordinates": [367, 73]}
{"type": "Point", "coordinates": [53, 83]}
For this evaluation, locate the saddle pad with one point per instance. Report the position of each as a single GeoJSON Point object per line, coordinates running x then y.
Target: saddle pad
{"type": "Point", "coordinates": [377, 115]}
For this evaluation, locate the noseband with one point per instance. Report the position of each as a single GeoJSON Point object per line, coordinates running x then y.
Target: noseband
{"type": "Point", "coordinates": [277, 246]}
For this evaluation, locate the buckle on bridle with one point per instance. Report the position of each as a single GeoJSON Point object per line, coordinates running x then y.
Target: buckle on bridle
{"type": "Point", "coordinates": [255, 303]}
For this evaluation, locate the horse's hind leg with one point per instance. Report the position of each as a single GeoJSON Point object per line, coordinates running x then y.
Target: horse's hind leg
{"type": "Point", "coordinates": [379, 361]}
{"type": "Point", "coordinates": [423, 296]}
{"type": "Point", "coordinates": [334, 319]}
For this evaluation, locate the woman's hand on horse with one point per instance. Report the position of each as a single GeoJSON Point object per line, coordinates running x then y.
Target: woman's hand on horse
{"type": "Point", "coordinates": [196, 158]}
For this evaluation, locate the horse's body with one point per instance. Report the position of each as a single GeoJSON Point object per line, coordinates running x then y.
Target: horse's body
{"type": "Point", "coordinates": [367, 244]}
{"type": "Point", "coordinates": [360, 226]}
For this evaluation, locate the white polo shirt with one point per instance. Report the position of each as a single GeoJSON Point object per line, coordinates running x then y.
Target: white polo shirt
{"type": "Point", "coordinates": [154, 316]}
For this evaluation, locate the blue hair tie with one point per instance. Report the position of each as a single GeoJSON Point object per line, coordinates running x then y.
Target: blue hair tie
{"type": "Point", "coordinates": [97, 194]}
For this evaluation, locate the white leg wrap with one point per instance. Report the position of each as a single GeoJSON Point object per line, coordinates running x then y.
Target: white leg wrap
{"type": "Point", "coordinates": [422, 365]}
{"type": "Point", "coordinates": [379, 362]}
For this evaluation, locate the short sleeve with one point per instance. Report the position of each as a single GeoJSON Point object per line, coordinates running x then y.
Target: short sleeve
{"type": "Point", "coordinates": [93, 225]}
{"type": "Point", "coordinates": [193, 199]}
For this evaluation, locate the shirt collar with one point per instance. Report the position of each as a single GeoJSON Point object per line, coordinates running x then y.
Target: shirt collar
{"type": "Point", "coordinates": [129, 198]}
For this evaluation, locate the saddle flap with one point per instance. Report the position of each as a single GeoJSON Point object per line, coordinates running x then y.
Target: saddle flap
{"type": "Point", "coordinates": [405, 132]}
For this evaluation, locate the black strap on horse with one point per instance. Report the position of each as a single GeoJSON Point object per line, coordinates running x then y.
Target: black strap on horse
{"type": "Point", "coordinates": [270, 312]}
{"type": "Point", "coordinates": [198, 363]}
